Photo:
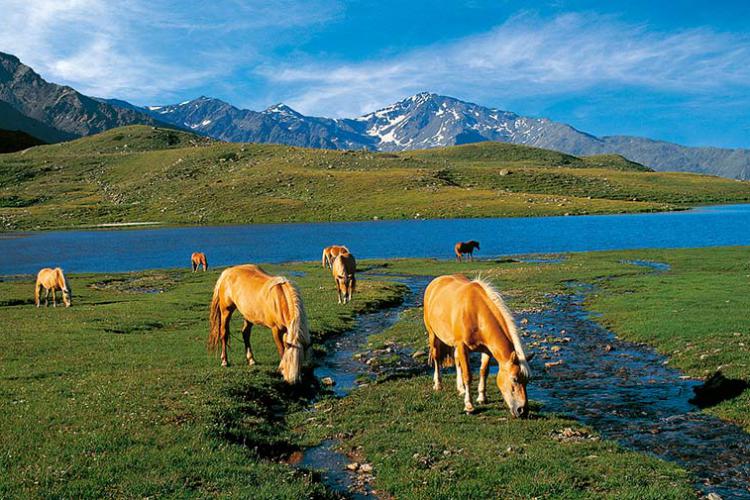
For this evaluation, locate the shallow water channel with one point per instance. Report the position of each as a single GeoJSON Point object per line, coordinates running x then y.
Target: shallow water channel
{"type": "Point", "coordinates": [625, 391]}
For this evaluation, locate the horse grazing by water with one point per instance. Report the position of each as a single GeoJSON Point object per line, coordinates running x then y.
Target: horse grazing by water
{"type": "Point", "coordinates": [467, 247]}
{"type": "Point", "coordinates": [198, 259]}
{"type": "Point", "coordinates": [463, 316]}
{"type": "Point", "coordinates": [52, 280]}
{"type": "Point", "coordinates": [262, 299]}
{"type": "Point", "coordinates": [330, 253]}
{"type": "Point", "coordinates": [343, 270]}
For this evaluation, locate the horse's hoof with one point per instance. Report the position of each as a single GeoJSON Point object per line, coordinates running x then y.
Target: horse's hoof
{"type": "Point", "coordinates": [469, 409]}
{"type": "Point", "coordinates": [250, 362]}
{"type": "Point", "coordinates": [224, 364]}
{"type": "Point", "coordinates": [437, 387]}
{"type": "Point", "coordinates": [481, 401]}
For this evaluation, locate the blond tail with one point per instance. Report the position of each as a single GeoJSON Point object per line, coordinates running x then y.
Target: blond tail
{"type": "Point", "coordinates": [214, 332]}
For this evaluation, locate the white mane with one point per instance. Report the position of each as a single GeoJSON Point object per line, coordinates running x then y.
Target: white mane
{"type": "Point", "coordinates": [494, 295]}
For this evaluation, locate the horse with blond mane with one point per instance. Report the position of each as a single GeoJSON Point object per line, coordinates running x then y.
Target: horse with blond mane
{"type": "Point", "coordinates": [343, 270]}
{"type": "Point", "coordinates": [261, 299]}
{"type": "Point", "coordinates": [330, 253]}
{"type": "Point", "coordinates": [198, 259]}
{"type": "Point", "coordinates": [463, 316]}
{"type": "Point", "coordinates": [467, 247]}
{"type": "Point", "coordinates": [52, 280]}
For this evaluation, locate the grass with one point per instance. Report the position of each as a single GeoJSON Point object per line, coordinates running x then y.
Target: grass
{"type": "Point", "coordinates": [117, 396]}
{"type": "Point", "coordinates": [422, 446]}
{"type": "Point", "coordinates": [140, 173]}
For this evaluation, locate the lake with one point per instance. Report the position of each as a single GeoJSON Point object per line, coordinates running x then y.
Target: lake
{"type": "Point", "coordinates": [137, 249]}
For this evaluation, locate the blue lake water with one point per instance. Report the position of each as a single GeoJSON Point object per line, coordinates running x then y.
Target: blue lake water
{"type": "Point", "coordinates": [136, 249]}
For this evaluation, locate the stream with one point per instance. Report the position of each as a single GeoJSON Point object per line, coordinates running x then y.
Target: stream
{"type": "Point", "coordinates": [625, 391]}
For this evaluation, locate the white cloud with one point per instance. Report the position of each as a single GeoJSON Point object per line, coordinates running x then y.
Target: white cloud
{"type": "Point", "coordinates": [140, 49]}
{"type": "Point", "coordinates": [526, 56]}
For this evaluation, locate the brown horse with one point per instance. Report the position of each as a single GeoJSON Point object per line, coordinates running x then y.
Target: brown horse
{"type": "Point", "coordinates": [52, 280]}
{"type": "Point", "coordinates": [271, 301]}
{"type": "Point", "coordinates": [465, 248]}
{"type": "Point", "coordinates": [464, 316]}
{"type": "Point", "coordinates": [330, 253]}
{"type": "Point", "coordinates": [343, 270]}
{"type": "Point", "coordinates": [199, 259]}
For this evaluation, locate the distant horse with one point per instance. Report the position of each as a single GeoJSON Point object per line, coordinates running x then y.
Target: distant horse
{"type": "Point", "coordinates": [198, 259]}
{"type": "Point", "coordinates": [330, 253]}
{"type": "Point", "coordinates": [465, 248]}
{"type": "Point", "coordinates": [271, 301]}
{"type": "Point", "coordinates": [463, 316]}
{"type": "Point", "coordinates": [52, 280]}
{"type": "Point", "coordinates": [343, 270]}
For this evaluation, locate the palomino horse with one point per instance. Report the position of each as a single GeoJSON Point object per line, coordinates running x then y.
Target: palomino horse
{"type": "Point", "coordinates": [198, 259]}
{"type": "Point", "coordinates": [271, 301]}
{"type": "Point", "coordinates": [330, 253]}
{"type": "Point", "coordinates": [343, 269]}
{"type": "Point", "coordinates": [52, 280]}
{"type": "Point", "coordinates": [464, 316]}
{"type": "Point", "coordinates": [465, 248]}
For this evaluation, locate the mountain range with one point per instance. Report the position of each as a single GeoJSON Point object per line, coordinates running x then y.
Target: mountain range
{"type": "Point", "coordinates": [54, 113]}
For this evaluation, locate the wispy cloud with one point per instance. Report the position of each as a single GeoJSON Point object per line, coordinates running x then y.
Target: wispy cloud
{"type": "Point", "coordinates": [142, 49]}
{"type": "Point", "coordinates": [526, 56]}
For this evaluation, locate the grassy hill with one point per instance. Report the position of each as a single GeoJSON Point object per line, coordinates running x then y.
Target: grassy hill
{"type": "Point", "coordinates": [141, 173]}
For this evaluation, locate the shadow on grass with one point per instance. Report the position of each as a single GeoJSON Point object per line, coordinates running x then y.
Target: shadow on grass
{"type": "Point", "coordinates": [716, 389]}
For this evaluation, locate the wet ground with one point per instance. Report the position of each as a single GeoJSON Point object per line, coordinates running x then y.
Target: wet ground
{"type": "Point", "coordinates": [625, 391]}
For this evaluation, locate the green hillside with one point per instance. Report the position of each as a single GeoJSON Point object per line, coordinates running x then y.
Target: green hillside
{"type": "Point", "coordinates": [146, 174]}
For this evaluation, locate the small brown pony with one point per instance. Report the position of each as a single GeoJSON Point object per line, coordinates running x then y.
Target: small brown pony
{"type": "Point", "coordinates": [330, 253]}
{"type": "Point", "coordinates": [52, 280]}
{"type": "Point", "coordinates": [343, 270]}
{"type": "Point", "coordinates": [465, 248]}
{"type": "Point", "coordinates": [198, 259]}
{"type": "Point", "coordinates": [464, 316]}
{"type": "Point", "coordinates": [271, 301]}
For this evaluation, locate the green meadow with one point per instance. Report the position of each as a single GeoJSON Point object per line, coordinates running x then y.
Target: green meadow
{"type": "Point", "coordinates": [117, 395]}
{"type": "Point", "coordinates": [141, 174]}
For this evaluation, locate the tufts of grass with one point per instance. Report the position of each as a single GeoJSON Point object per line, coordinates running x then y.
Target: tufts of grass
{"type": "Point", "coordinates": [178, 178]}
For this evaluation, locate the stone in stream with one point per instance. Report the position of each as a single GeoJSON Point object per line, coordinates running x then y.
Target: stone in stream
{"type": "Point", "coordinates": [328, 381]}
{"type": "Point", "coordinates": [352, 466]}
{"type": "Point", "coordinates": [418, 354]}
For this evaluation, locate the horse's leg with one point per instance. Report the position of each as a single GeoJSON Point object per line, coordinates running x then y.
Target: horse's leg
{"type": "Point", "coordinates": [54, 297]}
{"type": "Point", "coordinates": [46, 297]}
{"type": "Point", "coordinates": [462, 361]}
{"type": "Point", "coordinates": [224, 332]}
{"type": "Point", "coordinates": [485, 368]}
{"type": "Point", "coordinates": [437, 379]}
{"type": "Point", "coordinates": [278, 338]}
{"type": "Point", "coordinates": [459, 377]}
{"type": "Point", "coordinates": [246, 330]}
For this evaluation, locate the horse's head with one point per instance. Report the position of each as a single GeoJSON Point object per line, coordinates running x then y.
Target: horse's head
{"type": "Point", "coordinates": [512, 377]}
{"type": "Point", "coordinates": [475, 244]}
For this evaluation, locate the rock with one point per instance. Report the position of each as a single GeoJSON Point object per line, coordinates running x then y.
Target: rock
{"type": "Point", "coordinates": [366, 468]}
{"type": "Point", "coordinates": [608, 348]}
{"type": "Point", "coordinates": [713, 496]}
{"type": "Point", "coordinates": [328, 381]}
{"type": "Point", "coordinates": [352, 466]}
{"type": "Point", "coordinates": [418, 354]}
{"type": "Point", "coordinates": [504, 172]}
{"type": "Point", "coordinates": [553, 363]}
{"type": "Point", "coordinates": [555, 348]}
{"type": "Point", "coordinates": [524, 321]}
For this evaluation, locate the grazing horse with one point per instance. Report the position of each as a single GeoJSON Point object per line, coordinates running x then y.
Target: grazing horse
{"type": "Point", "coordinates": [52, 280]}
{"type": "Point", "coordinates": [465, 248]}
{"type": "Point", "coordinates": [271, 301]}
{"type": "Point", "coordinates": [199, 259]}
{"type": "Point", "coordinates": [343, 269]}
{"type": "Point", "coordinates": [464, 316]}
{"type": "Point", "coordinates": [330, 253]}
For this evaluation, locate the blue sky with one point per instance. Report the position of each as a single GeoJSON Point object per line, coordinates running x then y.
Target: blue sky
{"type": "Point", "coordinates": [676, 71]}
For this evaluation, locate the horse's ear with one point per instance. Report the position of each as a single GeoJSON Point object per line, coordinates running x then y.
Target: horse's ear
{"type": "Point", "coordinates": [513, 357]}
{"type": "Point", "coordinates": [530, 356]}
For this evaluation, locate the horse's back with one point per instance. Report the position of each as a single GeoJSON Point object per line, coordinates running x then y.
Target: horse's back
{"type": "Point", "coordinates": [452, 307]}
{"type": "Point", "coordinates": [47, 277]}
{"type": "Point", "coordinates": [345, 263]}
{"type": "Point", "coordinates": [251, 290]}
